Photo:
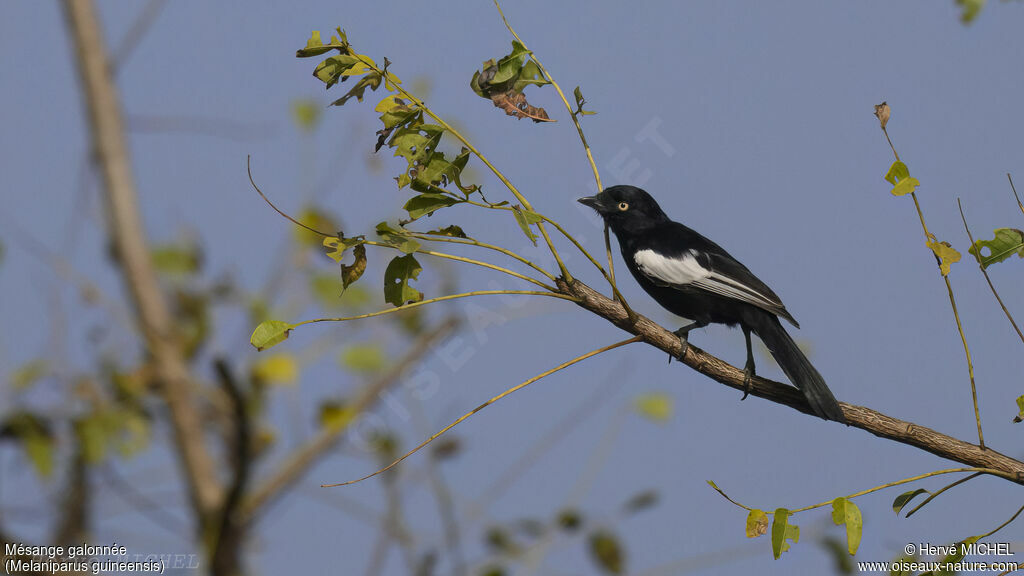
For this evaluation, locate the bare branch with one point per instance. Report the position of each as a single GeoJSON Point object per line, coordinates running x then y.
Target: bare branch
{"type": "Point", "coordinates": [129, 240]}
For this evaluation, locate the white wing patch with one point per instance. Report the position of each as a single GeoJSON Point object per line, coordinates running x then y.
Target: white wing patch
{"type": "Point", "coordinates": [686, 270]}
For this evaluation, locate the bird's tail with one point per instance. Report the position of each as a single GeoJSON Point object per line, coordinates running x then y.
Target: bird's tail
{"type": "Point", "coordinates": [798, 368]}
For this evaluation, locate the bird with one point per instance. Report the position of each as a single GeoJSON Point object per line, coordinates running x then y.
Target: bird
{"type": "Point", "coordinates": [691, 276]}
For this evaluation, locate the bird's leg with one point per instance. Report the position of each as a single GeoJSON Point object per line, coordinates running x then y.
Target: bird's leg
{"type": "Point", "coordinates": [748, 368]}
{"type": "Point", "coordinates": [683, 333]}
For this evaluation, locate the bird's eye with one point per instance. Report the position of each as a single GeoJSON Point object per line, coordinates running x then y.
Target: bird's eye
{"type": "Point", "coordinates": [623, 206]}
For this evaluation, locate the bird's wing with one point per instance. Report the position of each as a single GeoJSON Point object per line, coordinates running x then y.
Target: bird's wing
{"type": "Point", "coordinates": [713, 271]}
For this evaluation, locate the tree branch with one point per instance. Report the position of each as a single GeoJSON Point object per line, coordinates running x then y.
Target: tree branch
{"type": "Point", "coordinates": [861, 417]}
{"type": "Point", "coordinates": [129, 240]}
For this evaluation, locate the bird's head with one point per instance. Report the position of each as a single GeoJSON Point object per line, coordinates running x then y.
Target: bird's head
{"type": "Point", "coordinates": [626, 208]}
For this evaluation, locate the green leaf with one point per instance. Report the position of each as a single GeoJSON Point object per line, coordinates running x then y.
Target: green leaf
{"type": "Point", "coordinates": [270, 333]}
{"type": "Point", "coordinates": [945, 254]}
{"type": "Point", "coordinates": [352, 272]}
{"type": "Point", "coordinates": [1005, 243]}
{"type": "Point", "coordinates": [41, 451]}
{"type": "Point", "coordinates": [641, 501]}
{"type": "Point", "coordinates": [906, 186]}
{"type": "Point", "coordinates": [899, 176]}
{"type": "Point", "coordinates": [525, 219]}
{"type": "Point", "coordinates": [606, 551]}
{"type": "Point", "coordinates": [1020, 407]}
{"type": "Point", "coordinates": [24, 377]}
{"type": "Point", "coordinates": [580, 101]}
{"type": "Point", "coordinates": [276, 369]}
{"type": "Point", "coordinates": [427, 203]}
{"type": "Point", "coordinates": [317, 219]}
{"type": "Point", "coordinates": [757, 523]}
{"type": "Point", "coordinates": [656, 406]}
{"type": "Point", "coordinates": [397, 237]}
{"type": "Point", "coordinates": [36, 438]}
{"type": "Point", "coordinates": [969, 9]}
{"type": "Point", "coordinates": [782, 531]}
{"type": "Point", "coordinates": [503, 83]}
{"type": "Point", "coordinates": [902, 500]}
{"type": "Point", "coordinates": [336, 246]}
{"type": "Point", "coordinates": [452, 231]}
{"type": "Point", "coordinates": [569, 519]}
{"type": "Point", "coordinates": [399, 272]}
{"type": "Point", "coordinates": [370, 80]}
{"type": "Point", "coordinates": [180, 259]}
{"type": "Point", "coordinates": [898, 171]}
{"type": "Point", "coordinates": [846, 512]}
{"type": "Point", "coordinates": [306, 114]}
{"type": "Point", "coordinates": [335, 415]}
{"type": "Point", "coordinates": [316, 47]}
{"type": "Point", "coordinates": [331, 69]}
{"type": "Point", "coordinates": [366, 358]}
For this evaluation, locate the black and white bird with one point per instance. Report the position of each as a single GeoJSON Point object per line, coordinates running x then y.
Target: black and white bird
{"type": "Point", "coordinates": [693, 277]}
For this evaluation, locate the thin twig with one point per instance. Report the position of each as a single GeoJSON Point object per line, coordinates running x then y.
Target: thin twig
{"type": "Point", "coordinates": [875, 488]}
{"type": "Point", "coordinates": [475, 242]}
{"type": "Point", "coordinates": [933, 495]}
{"type": "Point", "coordinates": [1003, 525]}
{"type": "Point", "coordinates": [1014, 188]}
{"type": "Point", "coordinates": [488, 403]}
{"type": "Point", "coordinates": [952, 302]}
{"type": "Point", "coordinates": [248, 168]}
{"type": "Point", "coordinates": [977, 256]}
{"type": "Point", "coordinates": [438, 299]}
{"type": "Point", "coordinates": [590, 158]}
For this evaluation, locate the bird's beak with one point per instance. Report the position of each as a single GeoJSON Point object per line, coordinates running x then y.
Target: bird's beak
{"type": "Point", "coordinates": [592, 201]}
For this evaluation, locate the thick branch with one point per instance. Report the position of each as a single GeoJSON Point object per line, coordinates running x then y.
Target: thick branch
{"type": "Point", "coordinates": [305, 457]}
{"type": "Point", "coordinates": [132, 251]}
{"type": "Point", "coordinates": [857, 416]}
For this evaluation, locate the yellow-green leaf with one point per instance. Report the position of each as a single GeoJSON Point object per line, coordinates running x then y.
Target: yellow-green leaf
{"type": "Point", "coordinates": [846, 512]}
{"type": "Point", "coordinates": [525, 219]}
{"type": "Point", "coordinates": [655, 406]}
{"type": "Point", "coordinates": [335, 415]}
{"type": "Point", "coordinates": [1020, 408]}
{"type": "Point", "coordinates": [606, 551]}
{"type": "Point", "coordinates": [898, 171]}
{"type": "Point", "coordinates": [270, 333]}
{"type": "Point", "coordinates": [400, 271]}
{"type": "Point", "coordinates": [782, 531]}
{"type": "Point", "coordinates": [352, 272]}
{"type": "Point", "coordinates": [27, 375]}
{"type": "Point", "coordinates": [306, 114]}
{"type": "Point", "coordinates": [1005, 243]}
{"type": "Point", "coordinates": [363, 358]}
{"type": "Point", "coordinates": [902, 500]}
{"type": "Point", "coordinates": [427, 203]}
{"type": "Point", "coordinates": [899, 176]}
{"type": "Point", "coordinates": [945, 254]}
{"type": "Point", "coordinates": [276, 369]}
{"type": "Point", "coordinates": [757, 523]}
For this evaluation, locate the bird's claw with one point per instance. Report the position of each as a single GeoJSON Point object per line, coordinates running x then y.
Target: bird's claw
{"type": "Point", "coordinates": [684, 345]}
{"type": "Point", "coordinates": [748, 381]}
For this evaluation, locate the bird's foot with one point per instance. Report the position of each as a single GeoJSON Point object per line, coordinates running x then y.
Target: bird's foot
{"type": "Point", "coordinates": [683, 343]}
{"type": "Point", "coordinates": [748, 380]}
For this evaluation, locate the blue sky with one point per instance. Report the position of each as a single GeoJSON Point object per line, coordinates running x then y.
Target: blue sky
{"type": "Point", "coordinates": [764, 141]}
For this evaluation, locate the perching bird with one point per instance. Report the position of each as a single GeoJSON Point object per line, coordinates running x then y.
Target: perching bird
{"type": "Point", "coordinates": [693, 277]}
